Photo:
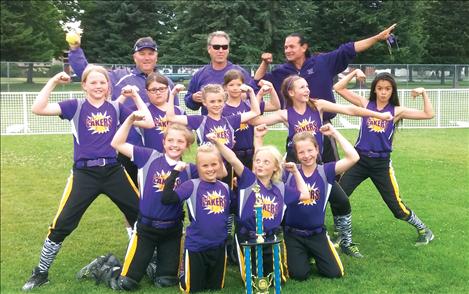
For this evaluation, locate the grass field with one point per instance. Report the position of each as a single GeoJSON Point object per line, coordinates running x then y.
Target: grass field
{"type": "Point", "coordinates": [432, 168]}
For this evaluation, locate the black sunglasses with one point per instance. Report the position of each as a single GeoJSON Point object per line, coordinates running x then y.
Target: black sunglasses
{"type": "Point", "coordinates": [217, 47]}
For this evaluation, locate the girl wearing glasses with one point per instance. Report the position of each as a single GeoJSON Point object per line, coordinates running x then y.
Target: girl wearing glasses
{"type": "Point", "coordinates": [157, 88]}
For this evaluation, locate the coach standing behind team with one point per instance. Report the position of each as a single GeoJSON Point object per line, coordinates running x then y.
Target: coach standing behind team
{"type": "Point", "coordinates": [319, 71]}
{"type": "Point", "coordinates": [218, 47]}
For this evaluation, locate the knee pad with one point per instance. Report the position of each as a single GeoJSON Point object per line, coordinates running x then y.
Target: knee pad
{"type": "Point", "coordinates": [166, 281]}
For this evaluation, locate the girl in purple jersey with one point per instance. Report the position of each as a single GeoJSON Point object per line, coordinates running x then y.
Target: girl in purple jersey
{"type": "Point", "coordinates": [235, 104]}
{"type": "Point", "coordinates": [304, 114]}
{"type": "Point", "coordinates": [157, 88]}
{"type": "Point", "coordinates": [266, 173]}
{"type": "Point", "coordinates": [304, 231]}
{"type": "Point", "coordinates": [203, 265]}
{"type": "Point", "coordinates": [213, 98]}
{"type": "Point", "coordinates": [158, 226]}
{"type": "Point", "coordinates": [374, 144]}
{"type": "Point", "coordinates": [96, 169]}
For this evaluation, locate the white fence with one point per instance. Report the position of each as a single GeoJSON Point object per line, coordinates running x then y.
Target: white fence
{"type": "Point", "coordinates": [451, 108]}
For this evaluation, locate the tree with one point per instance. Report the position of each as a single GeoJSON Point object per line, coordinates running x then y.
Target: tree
{"type": "Point", "coordinates": [253, 26]}
{"type": "Point", "coordinates": [446, 26]}
{"type": "Point", "coordinates": [110, 28]}
{"type": "Point", "coordinates": [344, 21]}
{"type": "Point", "coordinates": [30, 31]}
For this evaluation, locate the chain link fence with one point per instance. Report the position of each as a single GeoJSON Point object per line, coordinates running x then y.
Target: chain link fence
{"type": "Point", "coordinates": [29, 76]}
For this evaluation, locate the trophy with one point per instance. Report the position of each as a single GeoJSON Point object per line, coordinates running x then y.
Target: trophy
{"type": "Point", "coordinates": [259, 282]}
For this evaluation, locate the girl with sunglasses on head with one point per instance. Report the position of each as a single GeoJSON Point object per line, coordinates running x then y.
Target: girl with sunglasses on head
{"type": "Point", "coordinates": [374, 144]}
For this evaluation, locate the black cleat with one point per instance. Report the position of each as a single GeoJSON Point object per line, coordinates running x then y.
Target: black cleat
{"type": "Point", "coordinates": [351, 250]}
{"type": "Point", "coordinates": [425, 236]}
{"type": "Point", "coordinates": [37, 279]}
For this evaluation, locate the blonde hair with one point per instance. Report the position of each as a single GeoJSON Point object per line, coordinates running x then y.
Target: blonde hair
{"type": "Point", "coordinates": [273, 151]}
{"type": "Point", "coordinates": [212, 88]}
{"type": "Point", "coordinates": [207, 148]}
{"type": "Point", "coordinates": [188, 135]}
{"type": "Point", "coordinates": [99, 69]}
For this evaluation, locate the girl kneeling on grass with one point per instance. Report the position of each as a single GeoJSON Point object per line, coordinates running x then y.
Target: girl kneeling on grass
{"type": "Point", "coordinates": [203, 266]}
{"type": "Point", "coordinates": [159, 226]}
{"type": "Point", "coordinates": [304, 231]}
{"type": "Point", "coordinates": [267, 171]}
{"type": "Point", "coordinates": [374, 144]}
{"type": "Point", "coordinates": [96, 170]}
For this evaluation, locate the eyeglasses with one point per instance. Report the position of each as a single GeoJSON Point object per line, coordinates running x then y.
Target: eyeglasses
{"type": "Point", "coordinates": [156, 90]}
{"type": "Point", "coordinates": [217, 47]}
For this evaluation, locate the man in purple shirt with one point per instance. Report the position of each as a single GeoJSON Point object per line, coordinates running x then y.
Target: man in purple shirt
{"type": "Point", "coordinates": [218, 47]}
{"type": "Point", "coordinates": [319, 71]}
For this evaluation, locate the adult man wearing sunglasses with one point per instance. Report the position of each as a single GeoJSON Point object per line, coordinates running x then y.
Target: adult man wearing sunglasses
{"type": "Point", "coordinates": [218, 47]}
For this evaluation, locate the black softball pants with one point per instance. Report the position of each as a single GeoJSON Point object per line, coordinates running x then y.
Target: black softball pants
{"type": "Point", "coordinates": [83, 186]}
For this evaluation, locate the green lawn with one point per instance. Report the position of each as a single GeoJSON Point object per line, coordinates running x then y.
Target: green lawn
{"type": "Point", "coordinates": [432, 168]}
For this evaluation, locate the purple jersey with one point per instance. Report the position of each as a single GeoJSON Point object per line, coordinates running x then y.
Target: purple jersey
{"type": "Point", "coordinates": [375, 138]}
{"type": "Point", "coordinates": [309, 121]}
{"type": "Point", "coordinates": [309, 214]}
{"type": "Point", "coordinates": [153, 138]}
{"type": "Point", "coordinates": [274, 201]}
{"type": "Point", "coordinates": [224, 128]}
{"type": "Point", "coordinates": [120, 77]}
{"type": "Point", "coordinates": [208, 204]}
{"type": "Point", "coordinates": [244, 135]}
{"type": "Point", "coordinates": [93, 128]}
{"type": "Point", "coordinates": [153, 169]}
{"type": "Point", "coordinates": [318, 70]}
{"type": "Point", "coordinates": [208, 75]}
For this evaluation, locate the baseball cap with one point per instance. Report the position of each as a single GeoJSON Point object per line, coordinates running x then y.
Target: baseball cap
{"type": "Point", "coordinates": [145, 42]}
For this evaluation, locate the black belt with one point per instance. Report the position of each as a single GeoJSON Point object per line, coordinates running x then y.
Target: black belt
{"type": "Point", "coordinates": [303, 233]}
{"type": "Point", "coordinates": [95, 162]}
{"type": "Point", "coordinates": [374, 154]}
{"type": "Point", "coordinates": [244, 152]}
{"type": "Point", "coordinates": [158, 224]}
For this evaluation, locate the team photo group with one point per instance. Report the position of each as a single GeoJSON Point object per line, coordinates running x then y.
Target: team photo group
{"type": "Point", "coordinates": [131, 134]}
